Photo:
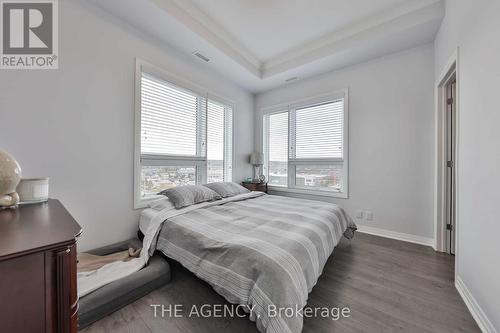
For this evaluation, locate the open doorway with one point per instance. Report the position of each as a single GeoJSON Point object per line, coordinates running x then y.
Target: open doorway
{"type": "Point", "coordinates": [447, 147]}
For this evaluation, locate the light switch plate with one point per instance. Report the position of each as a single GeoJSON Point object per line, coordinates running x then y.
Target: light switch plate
{"type": "Point", "coordinates": [369, 215]}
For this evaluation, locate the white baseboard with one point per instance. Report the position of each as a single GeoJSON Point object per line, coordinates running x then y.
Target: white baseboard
{"type": "Point", "coordinates": [482, 320]}
{"type": "Point", "coordinates": [396, 235]}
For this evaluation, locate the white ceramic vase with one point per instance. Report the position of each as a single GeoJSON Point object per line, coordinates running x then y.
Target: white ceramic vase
{"type": "Point", "coordinates": [10, 175]}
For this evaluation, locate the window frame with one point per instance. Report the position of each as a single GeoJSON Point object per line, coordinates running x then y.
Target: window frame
{"type": "Point", "coordinates": [200, 160]}
{"type": "Point", "coordinates": [293, 162]}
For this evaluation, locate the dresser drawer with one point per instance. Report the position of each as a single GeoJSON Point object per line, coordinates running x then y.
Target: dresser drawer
{"type": "Point", "coordinates": [22, 294]}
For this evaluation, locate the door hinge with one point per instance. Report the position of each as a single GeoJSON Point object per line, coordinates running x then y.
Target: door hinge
{"type": "Point", "coordinates": [450, 164]}
{"type": "Point", "coordinates": [449, 227]}
{"type": "Point", "coordinates": [449, 101]}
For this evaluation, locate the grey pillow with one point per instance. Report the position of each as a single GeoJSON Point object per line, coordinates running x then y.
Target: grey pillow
{"type": "Point", "coordinates": [183, 196]}
{"type": "Point", "coordinates": [227, 189]}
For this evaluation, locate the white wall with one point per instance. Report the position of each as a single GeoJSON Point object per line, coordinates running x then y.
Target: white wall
{"type": "Point", "coordinates": [391, 128]}
{"type": "Point", "coordinates": [76, 124]}
{"type": "Point", "coordinates": [474, 27]}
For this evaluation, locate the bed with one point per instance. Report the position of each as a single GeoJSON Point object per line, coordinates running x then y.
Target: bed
{"type": "Point", "coordinates": [261, 251]}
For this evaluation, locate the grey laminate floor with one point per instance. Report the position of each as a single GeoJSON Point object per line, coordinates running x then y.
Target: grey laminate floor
{"type": "Point", "coordinates": [388, 285]}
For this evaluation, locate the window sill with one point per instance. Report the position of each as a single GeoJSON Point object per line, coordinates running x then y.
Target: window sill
{"type": "Point", "coordinates": [143, 203]}
{"type": "Point", "coordinates": [331, 194]}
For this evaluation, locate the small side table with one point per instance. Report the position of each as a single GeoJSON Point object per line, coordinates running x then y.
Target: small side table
{"type": "Point", "coordinates": [261, 187]}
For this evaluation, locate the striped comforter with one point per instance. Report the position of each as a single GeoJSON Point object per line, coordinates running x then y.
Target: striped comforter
{"type": "Point", "coordinates": [264, 252]}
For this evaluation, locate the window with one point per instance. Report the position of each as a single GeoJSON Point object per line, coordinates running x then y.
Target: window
{"type": "Point", "coordinates": [276, 155]}
{"type": "Point", "coordinates": [305, 144]}
{"type": "Point", "coordinates": [219, 142]}
{"type": "Point", "coordinates": [183, 135]}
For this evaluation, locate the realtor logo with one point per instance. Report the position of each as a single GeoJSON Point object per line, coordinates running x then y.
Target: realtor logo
{"type": "Point", "coordinates": [29, 34]}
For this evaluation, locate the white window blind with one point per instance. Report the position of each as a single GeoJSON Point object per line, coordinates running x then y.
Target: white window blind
{"type": "Point", "coordinates": [228, 143]}
{"type": "Point", "coordinates": [276, 131]}
{"type": "Point", "coordinates": [169, 119]}
{"type": "Point", "coordinates": [184, 137]}
{"type": "Point", "coordinates": [304, 146]}
{"type": "Point", "coordinates": [219, 142]}
{"type": "Point", "coordinates": [319, 130]}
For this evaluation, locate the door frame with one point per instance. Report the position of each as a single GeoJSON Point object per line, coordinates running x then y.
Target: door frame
{"type": "Point", "coordinates": [450, 174]}
{"type": "Point", "coordinates": [451, 68]}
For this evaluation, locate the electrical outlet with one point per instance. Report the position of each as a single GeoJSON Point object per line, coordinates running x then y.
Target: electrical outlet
{"type": "Point", "coordinates": [369, 215]}
{"type": "Point", "coordinates": [359, 214]}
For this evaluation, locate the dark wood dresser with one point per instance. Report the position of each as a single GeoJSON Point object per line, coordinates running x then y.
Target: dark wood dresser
{"type": "Point", "coordinates": [38, 269]}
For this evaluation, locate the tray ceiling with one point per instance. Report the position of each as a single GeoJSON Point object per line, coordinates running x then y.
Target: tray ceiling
{"type": "Point", "coordinates": [259, 44]}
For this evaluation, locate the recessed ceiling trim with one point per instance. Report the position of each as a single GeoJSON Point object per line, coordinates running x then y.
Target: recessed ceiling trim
{"type": "Point", "coordinates": [198, 22]}
{"type": "Point", "coordinates": [341, 40]}
{"type": "Point", "coordinates": [414, 11]}
{"type": "Point", "coordinates": [401, 17]}
{"type": "Point", "coordinates": [185, 28]}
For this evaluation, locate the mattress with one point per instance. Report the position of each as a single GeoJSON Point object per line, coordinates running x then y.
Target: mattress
{"type": "Point", "coordinates": [124, 291]}
{"type": "Point", "coordinates": [145, 219]}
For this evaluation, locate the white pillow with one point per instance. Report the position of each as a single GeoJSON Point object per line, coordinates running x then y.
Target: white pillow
{"type": "Point", "coordinates": [227, 189]}
{"type": "Point", "coordinates": [161, 204]}
{"type": "Point", "coordinates": [187, 195]}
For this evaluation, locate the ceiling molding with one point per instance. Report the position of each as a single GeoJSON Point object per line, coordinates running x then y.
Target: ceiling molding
{"type": "Point", "coordinates": [201, 24]}
{"type": "Point", "coordinates": [399, 18]}
{"type": "Point", "coordinates": [181, 25]}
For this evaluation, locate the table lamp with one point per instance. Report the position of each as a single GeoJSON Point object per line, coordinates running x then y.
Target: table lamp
{"type": "Point", "coordinates": [256, 159]}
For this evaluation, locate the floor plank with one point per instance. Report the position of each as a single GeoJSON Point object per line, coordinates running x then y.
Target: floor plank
{"type": "Point", "coordinates": [389, 286]}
